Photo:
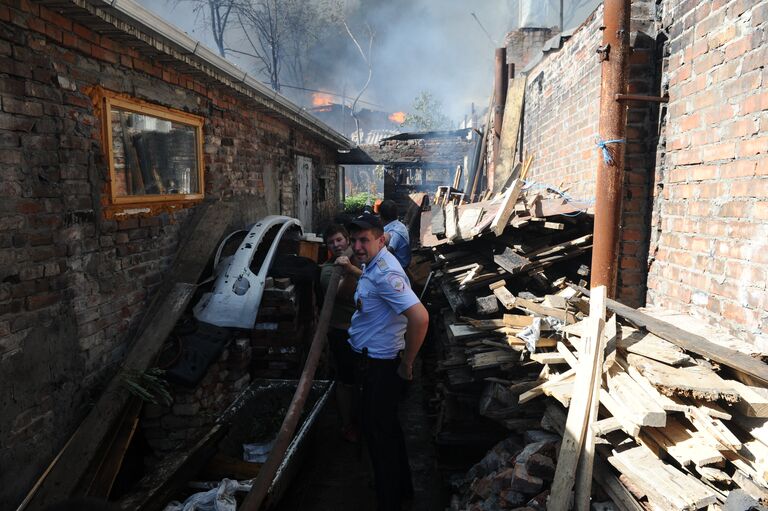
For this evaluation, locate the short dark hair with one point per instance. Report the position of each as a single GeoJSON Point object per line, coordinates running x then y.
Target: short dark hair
{"type": "Point", "coordinates": [388, 210]}
{"type": "Point", "coordinates": [335, 229]}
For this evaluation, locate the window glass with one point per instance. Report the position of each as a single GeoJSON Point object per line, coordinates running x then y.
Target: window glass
{"type": "Point", "coordinates": [153, 156]}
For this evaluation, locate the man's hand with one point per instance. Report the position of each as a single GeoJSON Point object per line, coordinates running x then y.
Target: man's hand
{"type": "Point", "coordinates": [344, 262]}
{"type": "Point", "coordinates": [405, 371]}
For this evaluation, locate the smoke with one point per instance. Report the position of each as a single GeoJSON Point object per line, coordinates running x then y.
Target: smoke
{"type": "Point", "coordinates": [434, 45]}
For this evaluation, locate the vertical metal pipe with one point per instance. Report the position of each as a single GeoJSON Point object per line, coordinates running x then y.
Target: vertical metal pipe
{"type": "Point", "coordinates": [500, 84]}
{"type": "Point", "coordinates": [613, 120]}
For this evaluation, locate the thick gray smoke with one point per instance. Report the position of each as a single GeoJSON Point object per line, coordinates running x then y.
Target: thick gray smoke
{"type": "Point", "coordinates": [434, 45]}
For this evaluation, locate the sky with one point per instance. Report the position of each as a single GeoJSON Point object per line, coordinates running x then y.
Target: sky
{"type": "Point", "coordinates": [419, 45]}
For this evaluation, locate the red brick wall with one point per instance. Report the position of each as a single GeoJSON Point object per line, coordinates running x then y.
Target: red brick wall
{"type": "Point", "coordinates": [710, 247]}
{"type": "Point", "coordinates": [74, 283]}
{"type": "Point", "coordinates": [562, 110]}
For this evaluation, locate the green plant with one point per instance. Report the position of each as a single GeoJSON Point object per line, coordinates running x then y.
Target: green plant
{"type": "Point", "coordinates": [356, 203]}
{"type": "Point", "coordinates": [149, 385]}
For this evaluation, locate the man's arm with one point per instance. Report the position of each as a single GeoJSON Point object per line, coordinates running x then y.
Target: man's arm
{"type": "Point", "coordinates": [418, 322]}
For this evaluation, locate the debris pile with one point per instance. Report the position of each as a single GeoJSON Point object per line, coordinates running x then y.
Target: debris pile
{"type": "Point", "coordinates": [659, 417]}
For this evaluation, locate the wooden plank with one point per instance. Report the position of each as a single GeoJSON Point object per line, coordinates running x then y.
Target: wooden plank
{"type": "Point", "coordinates": [468, 218]}
{"type": "Point", "coordinates": [506, 298]}
{"type": "Point", "coordinates": [621, 497]}
{"type": "Point", "coordinates": [501, 219]}
{"type": "Point", "coordinates": [691, 342]}
{"type": "Point", "coordinates": [714, 428]}
{"type": "Point", "coordinates": [619, 411]}
{"type": "Point", "coordinates": [583, 484]}
{"type": "Point", "coordinates": [548, 358]}
{"type": "Point", "coordinates": [438, 220]}
{"type": "Point", "coordinates": [643, 410]}
{"type": "Point", "coordinates": [683, 444]}
{"type": "Point", "coordinates": [539, 390]}
{"type": "Point", "coordinates": [652, 346]}
{"type": "Point", "coordinates": [451, 227]}
{"type": "Point", "coordinates": [753, 401]}
{"type": "Point", "coordinates": [667, 403]}
{"type": "Point", "coordinates": [576, 426]}
{"type": "Point", "coordinates": [511, 261]}
{"type": "Point", "coordinates": [695, 381]}
{"type": "Point", "coordinates": [517, 320]}
{"type": "Point", "coordinates": [541, 310]}
{"type": "Point", "coordinates": [605, 426]}
{"type": "Point", "coordinates": [510, 128]}
{"type": "Point", "coordinates": [165, 309]}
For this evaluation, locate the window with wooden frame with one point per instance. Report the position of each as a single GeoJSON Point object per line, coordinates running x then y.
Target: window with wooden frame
{"type": "Point", "coordinates": [155, 154]}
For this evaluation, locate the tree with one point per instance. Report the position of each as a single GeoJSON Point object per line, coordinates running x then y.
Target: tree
{"type": "Point", "coordinates": [427, 114]}
{"type": "Point", "coordinates": [214, 14]}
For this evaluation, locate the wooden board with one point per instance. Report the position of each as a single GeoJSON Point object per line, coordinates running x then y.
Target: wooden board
{"type": "Point", "coordinates": [172, 299]}
{"type": "Point", "coordinates": [501, 219]}
{"type": "Point", "coordinates": [694, 381]}
{"type": "Point", "coordinates": [506, 298]}
{"type": "Point", "coordinates": [517, 320]}
{"type": "Point", "coordinates": [652, 346]}
{"type": "Point", "coordinates": [684, 444]}
{"type": "Point", "coordinates": [691, 342]}
{"type": "Point", "coordinates": [451, 226]}
{"type": "Point", "coordinates": [585, 392]}
{"type": "Point", "coordinates": [643, 410]}
{"type": "Point", "coordinates": [438, 220]}
{"type": "Point", "coordinates": [511, 261]}
{"type": "Point", "coordinates": [665, 486]}
{"type": "Point", "coordinates": [753, 401]}
{"type": "Point", "coordinates": [510, 128]}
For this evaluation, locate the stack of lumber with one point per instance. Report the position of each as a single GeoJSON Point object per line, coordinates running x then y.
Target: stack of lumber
{"type": "Point", "coordinates": [659, 417]}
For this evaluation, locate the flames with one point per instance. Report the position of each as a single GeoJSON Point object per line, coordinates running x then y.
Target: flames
{"type": "Point", "coordinates": [398, 117]}
{"type": "Point", "coordinates": [321, 99]}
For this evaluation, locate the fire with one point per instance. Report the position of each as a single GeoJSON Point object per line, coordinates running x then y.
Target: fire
{"type": "Point", "coordinates": [321, 99]}
{"type": "Point", "coordinates": [398, 117]}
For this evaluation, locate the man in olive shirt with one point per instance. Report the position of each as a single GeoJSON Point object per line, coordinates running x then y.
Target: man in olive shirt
{"type": "Point", "coordinates": [337, 240]}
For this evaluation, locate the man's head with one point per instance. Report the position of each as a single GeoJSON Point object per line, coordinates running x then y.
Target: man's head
{"type": "Point", "coordinates": [337, 239]}
{"type": "Point", "coordinates": [388, 211]}
{"type": "Point", "coordinates": [366, 237]}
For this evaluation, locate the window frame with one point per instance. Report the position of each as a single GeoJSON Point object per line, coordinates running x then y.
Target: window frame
{"type": "Point", "coordinates": [134, 105]}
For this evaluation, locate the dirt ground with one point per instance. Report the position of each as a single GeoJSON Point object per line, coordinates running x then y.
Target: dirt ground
{"type": "Point", "coordinates": [336, 474]}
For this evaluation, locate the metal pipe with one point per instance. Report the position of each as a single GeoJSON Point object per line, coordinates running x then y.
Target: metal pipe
{"type": "Point", "coordinates": [501, 84]}
{"type": "Point", "coordinates": [258, 493]}
{"type": "Point", "coordinates": [612, 127]}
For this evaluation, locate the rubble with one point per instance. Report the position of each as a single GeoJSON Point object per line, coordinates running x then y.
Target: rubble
{"type": "Point", "coordinates": [668, 419]}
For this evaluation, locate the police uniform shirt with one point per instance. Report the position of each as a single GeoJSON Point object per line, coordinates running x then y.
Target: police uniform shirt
{"type": "Point", "coordinates": [399, 242]}
{"type": "Point", "coordinates": [383, 294]}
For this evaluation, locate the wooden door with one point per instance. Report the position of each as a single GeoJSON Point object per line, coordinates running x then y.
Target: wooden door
{"type": "Point", "coordinates": [304, 199]}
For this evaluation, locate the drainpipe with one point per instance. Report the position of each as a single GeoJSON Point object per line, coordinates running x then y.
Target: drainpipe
{"type": "Point", "coordinates": [614, 55]}
{"type": "Point", "coordinates": [500, 98]}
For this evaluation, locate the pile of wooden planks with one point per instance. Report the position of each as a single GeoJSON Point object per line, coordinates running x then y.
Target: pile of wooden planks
{"type": "Point", "coordinates": [658, 416]}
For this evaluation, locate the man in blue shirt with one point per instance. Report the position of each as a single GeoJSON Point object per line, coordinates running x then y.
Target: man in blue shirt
{"type": "Point", "coordinates": [387, 330]}
{"type": "Point", "coordinates": [395, 233]}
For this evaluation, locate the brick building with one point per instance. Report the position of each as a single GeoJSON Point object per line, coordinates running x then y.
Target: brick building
{"type": "Point", "coordinates": [92, 211]}
{"type": "Point", "coordinates": [694, 222]}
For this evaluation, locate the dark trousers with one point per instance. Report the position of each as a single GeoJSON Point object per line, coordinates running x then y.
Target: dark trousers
{"type": "Point", "coordinates": [382, 390]}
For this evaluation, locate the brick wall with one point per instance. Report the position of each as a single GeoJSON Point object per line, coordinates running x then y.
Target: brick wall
{"type": "Point", "coordinates": [560, 128]}
{"type": "Point", "coordinates": [709, 253]}
{"type": "Point", "coordinates": [73, 282]}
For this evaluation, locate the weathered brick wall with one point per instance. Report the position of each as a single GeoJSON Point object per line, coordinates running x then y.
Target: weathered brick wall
{"type": "Point", "coordinates": [73, 283]}
{"type": "Point", "coordinates": [709, 254]}
{"type": "Point", "coordinates": [562, 102]}
{"type": "Point", "coordinates": [560, 129]}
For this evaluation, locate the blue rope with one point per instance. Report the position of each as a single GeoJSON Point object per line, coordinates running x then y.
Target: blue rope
{"type": "Point", "coordinates": [607, 158]}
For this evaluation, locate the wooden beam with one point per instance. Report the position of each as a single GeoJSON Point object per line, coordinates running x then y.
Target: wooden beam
{"type": "Point", "coordinates": [510, 128]}
{"type": "Point", "coordinates": [579, 412]}
{"type": "Point", "coordinates": [690, 342]}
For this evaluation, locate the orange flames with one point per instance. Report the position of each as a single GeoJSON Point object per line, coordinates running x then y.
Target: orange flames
{"type": "Point", "coordinates": [321, 99]}
{"type": "Point", "coordinates": [398, 117]}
